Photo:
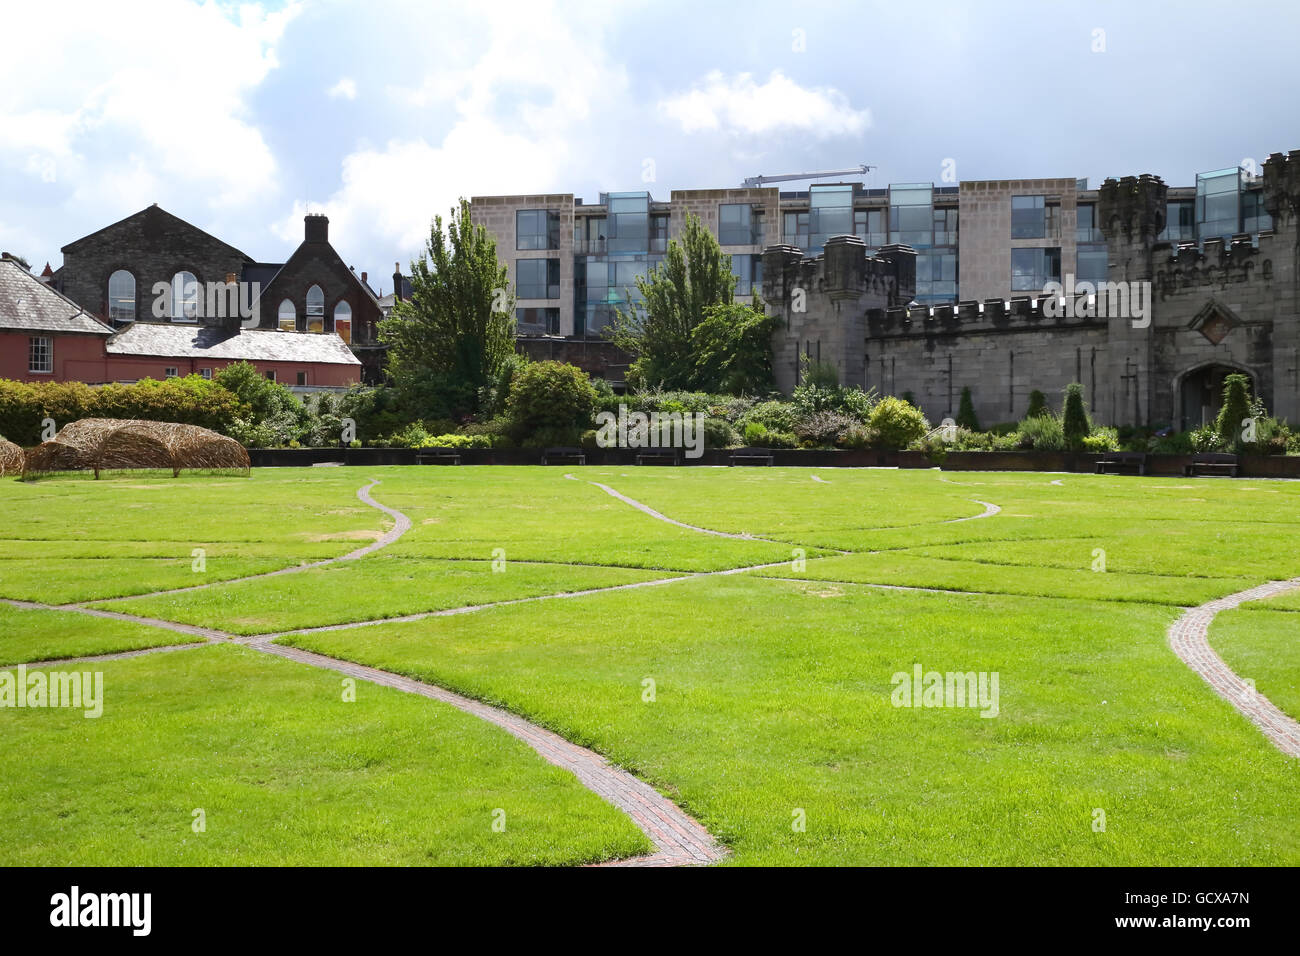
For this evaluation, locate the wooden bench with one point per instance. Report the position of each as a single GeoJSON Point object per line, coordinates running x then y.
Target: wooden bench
{"type": "Point", "coordinates": [437, 456]}
{"type": "Point", "coordinates": [1122, 462]}
{"type": "Point", "coordinates": [1211, 463]}
{"type": "Point", "coordinates": [564, 456]}
{"type": "Point", "coordinates": [752, 456]}
{"type": "Point", "coordinates": [661, 456]}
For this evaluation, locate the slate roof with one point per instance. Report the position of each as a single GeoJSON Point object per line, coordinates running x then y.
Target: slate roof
{"type": "Point", "coordinates": [28, 304]}
{"type": "Point", "coordinates": [158, 211]}
{"type": "Point", "coordinates": [261, 345]}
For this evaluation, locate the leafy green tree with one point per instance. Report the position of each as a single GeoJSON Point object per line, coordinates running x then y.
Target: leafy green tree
{"type": "Point", "coordinates": [451, 337]}
{"type": "Point", "coordinates": [733, 351]}
{"type": "Point", "coordinates": [694, 276]}
{"type": "Point", "coordinates": [1235, 410]}
{"type": "Point", "coordinates": [1074, 417]}
{"type": "Point", "coordinates": [966, 412]}
{"type": "Point", "coordinates": [273, 415]}
{"type": "Point", "coordinates": [551, 402]}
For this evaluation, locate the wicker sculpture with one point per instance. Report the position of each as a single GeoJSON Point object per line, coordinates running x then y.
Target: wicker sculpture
{"type": "Point", "coordinates": [11, 458]}
{"type": "Point", "coordinates": [109, 444]}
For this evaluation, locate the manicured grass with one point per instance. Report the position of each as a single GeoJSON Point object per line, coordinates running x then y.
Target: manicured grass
{"type": "Point", "coordinates": [1263, 646]}
{"type": "Point", "coordinates": [772, 697]}
{"type": "Point", "coordinates": [286, 772]}
{"type": "Point", "coordinates": [376, 587]}
{"type": "Point", "coordinates": [40, 635]}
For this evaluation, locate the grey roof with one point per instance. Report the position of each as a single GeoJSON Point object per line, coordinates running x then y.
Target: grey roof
{"type": "Point", "coordinates": [264, 345]}
{"type": "Point", "coordinates": [29, 304]}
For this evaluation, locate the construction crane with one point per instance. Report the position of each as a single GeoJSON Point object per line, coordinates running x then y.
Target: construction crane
{"type": "Point", "coordinates": [754, 181]}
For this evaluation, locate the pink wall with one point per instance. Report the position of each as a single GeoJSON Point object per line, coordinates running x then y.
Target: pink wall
{"type": "Point", "coordinates": [81, 358]}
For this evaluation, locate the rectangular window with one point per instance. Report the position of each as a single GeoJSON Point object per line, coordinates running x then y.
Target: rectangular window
{"type": "Point", "coordinates": [945, 226]}
{"type": "Point", "coordinates": [659, 234]}
{"type": "Point", "coordinates": [538, 321]}
{"type": "Point", "coordinates": [796, 229]}
{"type": "Point", "coordinates": [344, 329]}
{"type": "Point", "coordinates": [749, 274]}
{"type": "Point", "coordinates": [735, 224]}
{"type": "Point", "coordinates": [302, 378]}
{"type": "Point", "coordinates": [1052, 219]}
{"type": "Point", "coordinates": [170, 372]}
{"type": "Point", "coordinates": [537, 278]}
{"type": "Point", "coordinates": [270, 376]}
{"type": "Point", "coordinates": [1254, 217]}
{"type": "Point", "coordinates": [869, 226]}
{"type": "Point", "coordinates": [1085, 229]}
{"type": "Point", "coordinates": [537, 229]}
{"type": "Point", "coordinates": [911, 214]}
{"type": "Point", "coordinates": [206, 373]}
{"type": "Point", "coordinates": [1180, 222]}
{"type": "Point", "coordinates": [40, 354]}
{"type": "Point", "coordinates": [315, 324]}
{"type": "Point", "coordinates": [288, 324]}
{"type": "Point", "coordinates": [1093, 263]}
{"type": "Point", "coordinates": [757, 227]}
{"type": "Point", "coordinates": [1031, 269]}
{"type": "Point", "coordinates": [1028, 217]}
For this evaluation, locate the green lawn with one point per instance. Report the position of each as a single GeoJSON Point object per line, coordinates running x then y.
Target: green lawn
{"type": "Point", "coordinates": [772, 687]}
{"type": "Point", "coordinates": [286, 772]}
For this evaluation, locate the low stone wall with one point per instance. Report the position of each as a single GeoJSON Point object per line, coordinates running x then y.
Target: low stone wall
{"type": "Point", "coordinates": [1252, 466]}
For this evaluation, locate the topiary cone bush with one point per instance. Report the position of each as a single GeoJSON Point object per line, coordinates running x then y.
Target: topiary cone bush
{"type": "Point", "coordinates": [1074, 417]}
{"type": "Point", "coordinates": [1235, 410]}
{"type": "Point", "coordinates": [966, 412]}
{"type": "Point", "coordinates": [1037, 405]}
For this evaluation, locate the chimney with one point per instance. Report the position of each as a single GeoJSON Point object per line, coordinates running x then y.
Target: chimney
{"type": "Point", "coordinates": [230, 278]}
{"type": "Point", "coordinates": [317, 228]}
{"type": "Point", "coordinates": [363, 278]}
{"type": "Point", "coordinates": [397, 281]}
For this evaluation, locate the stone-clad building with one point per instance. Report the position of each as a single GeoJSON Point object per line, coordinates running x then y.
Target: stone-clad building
{"type": "Point", "coordinates": [1151, 347]}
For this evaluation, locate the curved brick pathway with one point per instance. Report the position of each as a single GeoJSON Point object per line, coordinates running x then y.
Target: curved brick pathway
{"type": "Point", "coordinates": [1188, 636]}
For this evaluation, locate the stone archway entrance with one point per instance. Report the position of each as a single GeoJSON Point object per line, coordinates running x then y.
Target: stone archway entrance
{"type": "Point", "coordinates": [1201, 394]}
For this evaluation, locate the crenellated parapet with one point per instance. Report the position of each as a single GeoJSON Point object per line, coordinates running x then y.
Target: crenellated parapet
{"type": "Point", "coordinates": [1190, 267]}
{"type": "Point", "coordinates": [1282, 187]}
{"type": "Point", "coordinates": [970, 317]}
{"type": "Point", "coordinates": [1132, 208]}
{"type": "Point", "coordinates": [843, 270]}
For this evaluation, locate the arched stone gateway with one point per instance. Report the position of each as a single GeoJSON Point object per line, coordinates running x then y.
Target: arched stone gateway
{"type": "Point", "coordinates": [1200, 393]}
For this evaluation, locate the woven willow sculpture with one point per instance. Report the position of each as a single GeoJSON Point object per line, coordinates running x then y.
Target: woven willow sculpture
{"type": "Point", "coordinates": [109, 444]}
{"type": "Point", "coordinates": [11, 458]}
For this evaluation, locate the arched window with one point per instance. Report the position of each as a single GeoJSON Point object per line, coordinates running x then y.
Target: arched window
{"type": "Point", "coordinates": [185, 297]}
{"type": "Point", "coordinates": [288, 316]}
{"type": "Point", "coordinates": [121, 296]}
{"type": "Point", "coordinates": [315, 309]}
{"type": "Point", "coordinates": [343, 321]}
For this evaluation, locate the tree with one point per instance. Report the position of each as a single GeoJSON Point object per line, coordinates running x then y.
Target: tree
{"type": "Point", "coordinates": [694, 276]}
{"type": "Point", "coordinates": [1074, 417]}
{"type": "Point", "coordinates": [733, 351]}
{"type": "Point", "coordinates": [457, 329]}
{"type": "Point", "coordinates": [966, 412]}
{"type": "Point", "coordinates": [1235, 410]}
{"type": "Point", "coordinates": [550, 402]}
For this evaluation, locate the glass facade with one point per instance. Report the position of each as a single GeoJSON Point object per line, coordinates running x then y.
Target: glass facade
{"type": "Point", "coordinates": [537, 229]}
{"type": "Point", "coordinates": [749, 274]}
{"type": "Point", "coordinates": [625, 244]}
{"type": "Point", "coordinates": [1254, 217]}
{"type": "Point", "coordinates": [1218, 203]}
{"type": "Point", "coordinates": [1093, 260]}
{"type": "Point", "coordinates": [537, 278]}
{"type": "Point", "coordinates": [830, 214]}
{"type": "Point", "coordinates": [869, 225]}
{"type": "Point", "coordinates": [911, 215]}
{"type": "Point", "coordinates": [1031, 269]}
{"type": "Point", "coordinates": [1180, 221]}
{"type": "Point", "coordinates": [796, 229]}
{"type": "Point", "coordinates": [538, 321]}
{"type": "Point", "coordinates": [1086, 229]}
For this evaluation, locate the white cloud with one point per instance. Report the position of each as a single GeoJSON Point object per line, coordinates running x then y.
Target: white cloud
{"type": "Point", "coordinates": [115, 112]}
{"type": "Point", "coordinates": [345, 88]}
{"type": "Point", "coordinates": [742, 106]}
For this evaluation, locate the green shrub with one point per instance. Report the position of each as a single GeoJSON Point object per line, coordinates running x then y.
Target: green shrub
{"type": "Point", "coordinates": [1074, 417]}
{"type": "Point", "coordinates": [1235, 410]}
{"type": "Point", "coordinates": [551, 397]}
{"type": "Point", "coordinates": [719, 433]}
{"type": "Point", "coordinates": [823, 428]}
{"type": "Point", "coordinates": [455, 441]}
{"type": "Point", "coordinates": [1037, 405]}
{"type": "Point", "coordinates": [756, 433]}
{"type": "Point", "coordinates": [1207, 438]}
{"type": "Point", "coordinates": [774, 416]}
{"type": "Point", "coordinates": [896, 424]}
{"type": "Point", "coordinates": [790, 440]}
{"type": "Point", "coordinates": [857, 404]}
{"type": "Point", "coordinates": [1101, 440]}
{"type": "Point", "coordinates": [1041, 433]}
{"type": "Point", "coordinates": [966, 411]}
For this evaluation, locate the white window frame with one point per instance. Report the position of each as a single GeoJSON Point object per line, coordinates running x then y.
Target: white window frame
{"type": "Point", "coordinates": [37, 344]}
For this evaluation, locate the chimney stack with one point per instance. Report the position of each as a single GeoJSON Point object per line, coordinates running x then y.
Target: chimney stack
{"type": "Point", "coordinates": [316, 228]}
{"type": "Point", "coordinates": [397, 281]}
{"type": "Point", "coordinates": [363, 278]}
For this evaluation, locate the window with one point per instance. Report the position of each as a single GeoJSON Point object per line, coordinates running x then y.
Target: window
{"type": "Point", "coordinates": [170, 372]}
{"type": "Point", "coordinates": [1254, 217]}
{"type": "Point", "coordinates": [270, 376]}
{"type": "Point", "coordinates": [40, 354]}
{"type": "Point", "coordinates": [1093, 263]}
{"type": "Point", "coordinates": [796, 229]}
{"type": "Point", "coordinates": [628, 222]}
{"type": "Point", "coordinates": [869, 226]}
{"type": "Point", "coordinates": [1085, 229]}
{"type": "Point", "coordinates": [302, 378]}
{"type": "Point", "coordinates": [288, 316]}
{"type": "Point", "coordinates": [1218, 206]}
{"type": "Point", "coordinates": [911, 215]}
{"type": "Point", "coordinates": [735, 224]}
{"type": "Point", "coordinates": [658, 233]}
{"type": "Point", "coordinates": [936, 276]}
{"type": "Point", "coordinates": [185, 297]}
{"type": "Point", "coordinates": [537, 278]}
{"type": "Point", "coordinates": [749, 273]}
{"type": "Point", "coordinates": [1031, 269]}
{"type": "Point", "coordinates": [343, 321]}
{"type": "Point", "coordinates": [315, 301]}
{"type": "Point", "coordinates": [830, 214]}
{"type": "Point", "coordinates": [537, 229]}
{"type": "Point", "coordinates": [206, 372]}
{"type": "Point", "coordinates": [945, 226]}
{"type": "Point", "coordinates": [589, 235]}
{"type": "Point", "coordinates": [538, 321]}
{"type": "Point", "coordinates": [121, 296]}
{"type": "Point", "coordinates": [1180, 222]}
{"type": "Point", "coordinates": [1028, 218]}
{"type": "Point", "coordinates": [1052, 219]}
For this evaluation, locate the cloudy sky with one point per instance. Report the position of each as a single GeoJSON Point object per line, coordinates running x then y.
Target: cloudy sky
{"type": "Point", "coordinates": [241, 117]}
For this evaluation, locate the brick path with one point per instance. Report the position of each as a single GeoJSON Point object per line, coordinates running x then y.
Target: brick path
{"type": "Point", "coordinates": [1188, 638]}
